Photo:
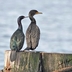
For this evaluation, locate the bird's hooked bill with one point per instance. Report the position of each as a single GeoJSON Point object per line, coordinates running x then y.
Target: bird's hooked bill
{"type": "Point", "coordinates": [38, 13]}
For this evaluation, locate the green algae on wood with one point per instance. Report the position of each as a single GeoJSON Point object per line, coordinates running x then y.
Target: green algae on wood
{"type": "Point", "coordinates": [29, 61]}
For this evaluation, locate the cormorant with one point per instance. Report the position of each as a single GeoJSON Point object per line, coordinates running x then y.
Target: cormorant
{"type": "Point", "coordinates": [33, 32]}
{"type": "Point", "coordinates": [17, 39]}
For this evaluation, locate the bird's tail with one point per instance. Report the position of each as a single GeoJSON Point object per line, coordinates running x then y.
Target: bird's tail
{"type": "Point", "coordinates": [13, 56]}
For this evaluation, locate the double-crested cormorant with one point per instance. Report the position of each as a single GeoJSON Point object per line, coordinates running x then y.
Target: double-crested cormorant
{"type": "Point", "coordinates": [17, 39]}
{"type": "Point", "coordinates": [33, 32]}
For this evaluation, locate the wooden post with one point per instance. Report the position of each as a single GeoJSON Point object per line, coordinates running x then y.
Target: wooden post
{"type": "Point", "coordinates": [29, 61]}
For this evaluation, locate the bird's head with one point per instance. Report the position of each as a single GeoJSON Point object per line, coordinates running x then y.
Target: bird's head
{"type": "Point", "coordinates": [19, 20]}
{"type": "Point", "coordinates": [21, 17]}
{"type": "Point", "coordinates": [34, 12]}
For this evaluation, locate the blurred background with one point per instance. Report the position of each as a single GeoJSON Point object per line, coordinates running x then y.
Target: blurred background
{"type": "Point", "coordinates": [55, 24]}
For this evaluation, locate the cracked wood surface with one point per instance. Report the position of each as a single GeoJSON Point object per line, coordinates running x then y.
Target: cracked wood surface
{"type": "Point", "coordinates": [33, 61]}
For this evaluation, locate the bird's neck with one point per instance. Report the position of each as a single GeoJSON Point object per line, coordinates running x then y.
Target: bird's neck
{"type": "Point", "coordinates": [20, 25]}
{"type": "Point", "coordinates": [32, 19]}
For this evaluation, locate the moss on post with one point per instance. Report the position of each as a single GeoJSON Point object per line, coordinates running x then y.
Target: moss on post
{"type": "Point", "coordinates": [29, 61]}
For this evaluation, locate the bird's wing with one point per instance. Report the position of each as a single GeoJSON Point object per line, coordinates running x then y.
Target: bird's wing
{"type": "Point", "coordinates": [17, 40]}
{"type": "Point", "coordinates": [13, 44]}
{"type": "Point", "coordinates": [35, 36]}
{"type": "Point", "coordinates": [20, 40]}
{"type": "Point", "coordinates": [28, 36]}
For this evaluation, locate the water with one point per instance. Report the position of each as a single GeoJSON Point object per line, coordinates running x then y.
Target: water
{"type": "Point", "coordinates": [55, 24]}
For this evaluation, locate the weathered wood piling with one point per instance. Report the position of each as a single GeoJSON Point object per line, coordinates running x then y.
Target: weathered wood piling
{"type": "Point", "coordinates": [29, 61]}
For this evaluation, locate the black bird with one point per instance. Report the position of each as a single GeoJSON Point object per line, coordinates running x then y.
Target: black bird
{"type": "Point", "coordinates": [33, 32]}
{"type": "Point", "coordinates": [17, 39]}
